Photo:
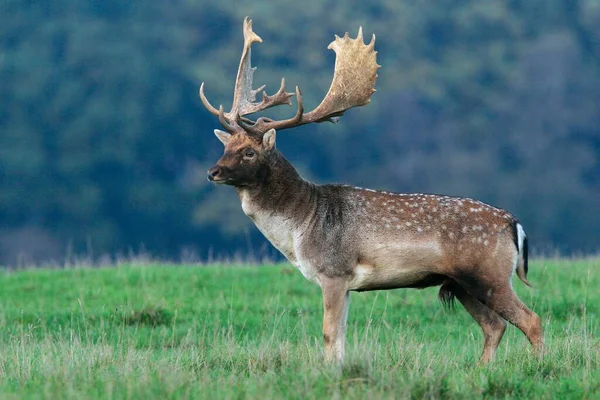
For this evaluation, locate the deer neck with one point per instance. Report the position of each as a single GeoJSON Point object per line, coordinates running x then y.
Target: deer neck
{"type": "Point", "coordinates": [280, 191]}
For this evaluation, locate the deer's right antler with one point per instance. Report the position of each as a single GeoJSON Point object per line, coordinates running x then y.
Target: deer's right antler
{"type": "Point", "coordinates": [353, 84]}
{"type": "Point", "coordinates": [244, 97]}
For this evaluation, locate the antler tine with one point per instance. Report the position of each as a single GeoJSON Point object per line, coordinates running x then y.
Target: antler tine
{"type": "Point", "coordinates": [206, 103]}
{"type": "Point", "coordinates": [264, 124]}
{"type": "Point", "coordinates": [277, 99]}
{"type": "Point", "coordinates": [224, 121]}
{"type": "Point", "coordinates": [249, 126]}
{"type": "Point", "coordinates": [353, 84]}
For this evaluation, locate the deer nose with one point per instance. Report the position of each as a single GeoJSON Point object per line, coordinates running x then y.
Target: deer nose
{"type": "Point", "coordinates": [213, 172]}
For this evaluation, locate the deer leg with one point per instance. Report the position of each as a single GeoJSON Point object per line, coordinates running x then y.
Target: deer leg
{"type": "Point", "coordinates": [336, 299]}
{"type": "Point", "coordinates": [505, 302]}
{"type": "Point", "coordinates": [492, 325]}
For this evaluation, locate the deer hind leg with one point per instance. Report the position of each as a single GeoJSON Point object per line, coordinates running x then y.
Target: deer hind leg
{"type": "Point", "coordinates": [492, 325]}
{"type": "Point", "coordinates": [500, 297]}
{"type": "Point", "coordinates": [506, 303]}
{"type": "Point", "coordinates": [336, 300]}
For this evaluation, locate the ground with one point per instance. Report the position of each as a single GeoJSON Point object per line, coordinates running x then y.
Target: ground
{"type": "Point", "coordinates": [163, 331]}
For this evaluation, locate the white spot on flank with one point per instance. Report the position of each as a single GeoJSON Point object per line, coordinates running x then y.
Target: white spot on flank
{"type": "Point", "coordinates": [419, 229]}
{"type": "Point", "coordinates": [408, 224]}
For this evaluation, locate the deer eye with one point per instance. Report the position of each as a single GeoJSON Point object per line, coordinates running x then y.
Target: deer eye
{"type": "Point", "coordinates": [249, 153]}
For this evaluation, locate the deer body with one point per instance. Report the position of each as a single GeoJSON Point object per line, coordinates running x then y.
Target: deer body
{"type": "Point", "coordinates": [346, 239]}
{"type": "Point", "coordinates": [379, 240]}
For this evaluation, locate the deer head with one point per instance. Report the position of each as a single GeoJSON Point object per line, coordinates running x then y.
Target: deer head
{"type": "Point", "coordinates": [249, 143]}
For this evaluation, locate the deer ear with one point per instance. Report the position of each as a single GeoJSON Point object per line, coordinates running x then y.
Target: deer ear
{"type": "Point", "coordinates": [268, 141]}
{"type": "Point", "coordinates": [223, 136]}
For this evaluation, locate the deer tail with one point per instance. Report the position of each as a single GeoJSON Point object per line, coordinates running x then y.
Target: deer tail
{"type": "Point", "coordinates": [523, 249]}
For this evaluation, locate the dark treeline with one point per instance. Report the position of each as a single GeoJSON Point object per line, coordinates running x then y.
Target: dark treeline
{"type": "Point", "coordinates": [104, 143]}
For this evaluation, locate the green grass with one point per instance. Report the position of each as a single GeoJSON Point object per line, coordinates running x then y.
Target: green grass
{"type": "Point", "coordinates": [234, 332]}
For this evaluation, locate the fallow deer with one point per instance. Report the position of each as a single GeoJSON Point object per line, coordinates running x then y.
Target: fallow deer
{"type": "Point", "coordinates": [346, 238]}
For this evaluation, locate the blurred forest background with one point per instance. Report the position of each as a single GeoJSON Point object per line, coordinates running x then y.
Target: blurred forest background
{"type": "Point", "coordinates": [104, 144]}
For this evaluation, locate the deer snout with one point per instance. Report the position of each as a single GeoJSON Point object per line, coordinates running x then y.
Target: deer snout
{"type": "Point", "coordinates": [214, 172]}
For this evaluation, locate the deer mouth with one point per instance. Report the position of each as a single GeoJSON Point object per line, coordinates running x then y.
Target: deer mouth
{"type": "Point", "coordinates": [221, 181]}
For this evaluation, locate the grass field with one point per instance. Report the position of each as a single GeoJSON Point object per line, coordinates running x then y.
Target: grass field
{"type": "Point", "coordinates": [157, 331]}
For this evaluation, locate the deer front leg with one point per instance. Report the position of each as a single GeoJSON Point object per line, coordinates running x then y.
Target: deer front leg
{"type": "Point", "coordinates": [336, 299]}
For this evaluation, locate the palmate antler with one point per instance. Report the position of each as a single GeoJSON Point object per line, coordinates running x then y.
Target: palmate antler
{"type": "Point", "coordinates": [352, 86]}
